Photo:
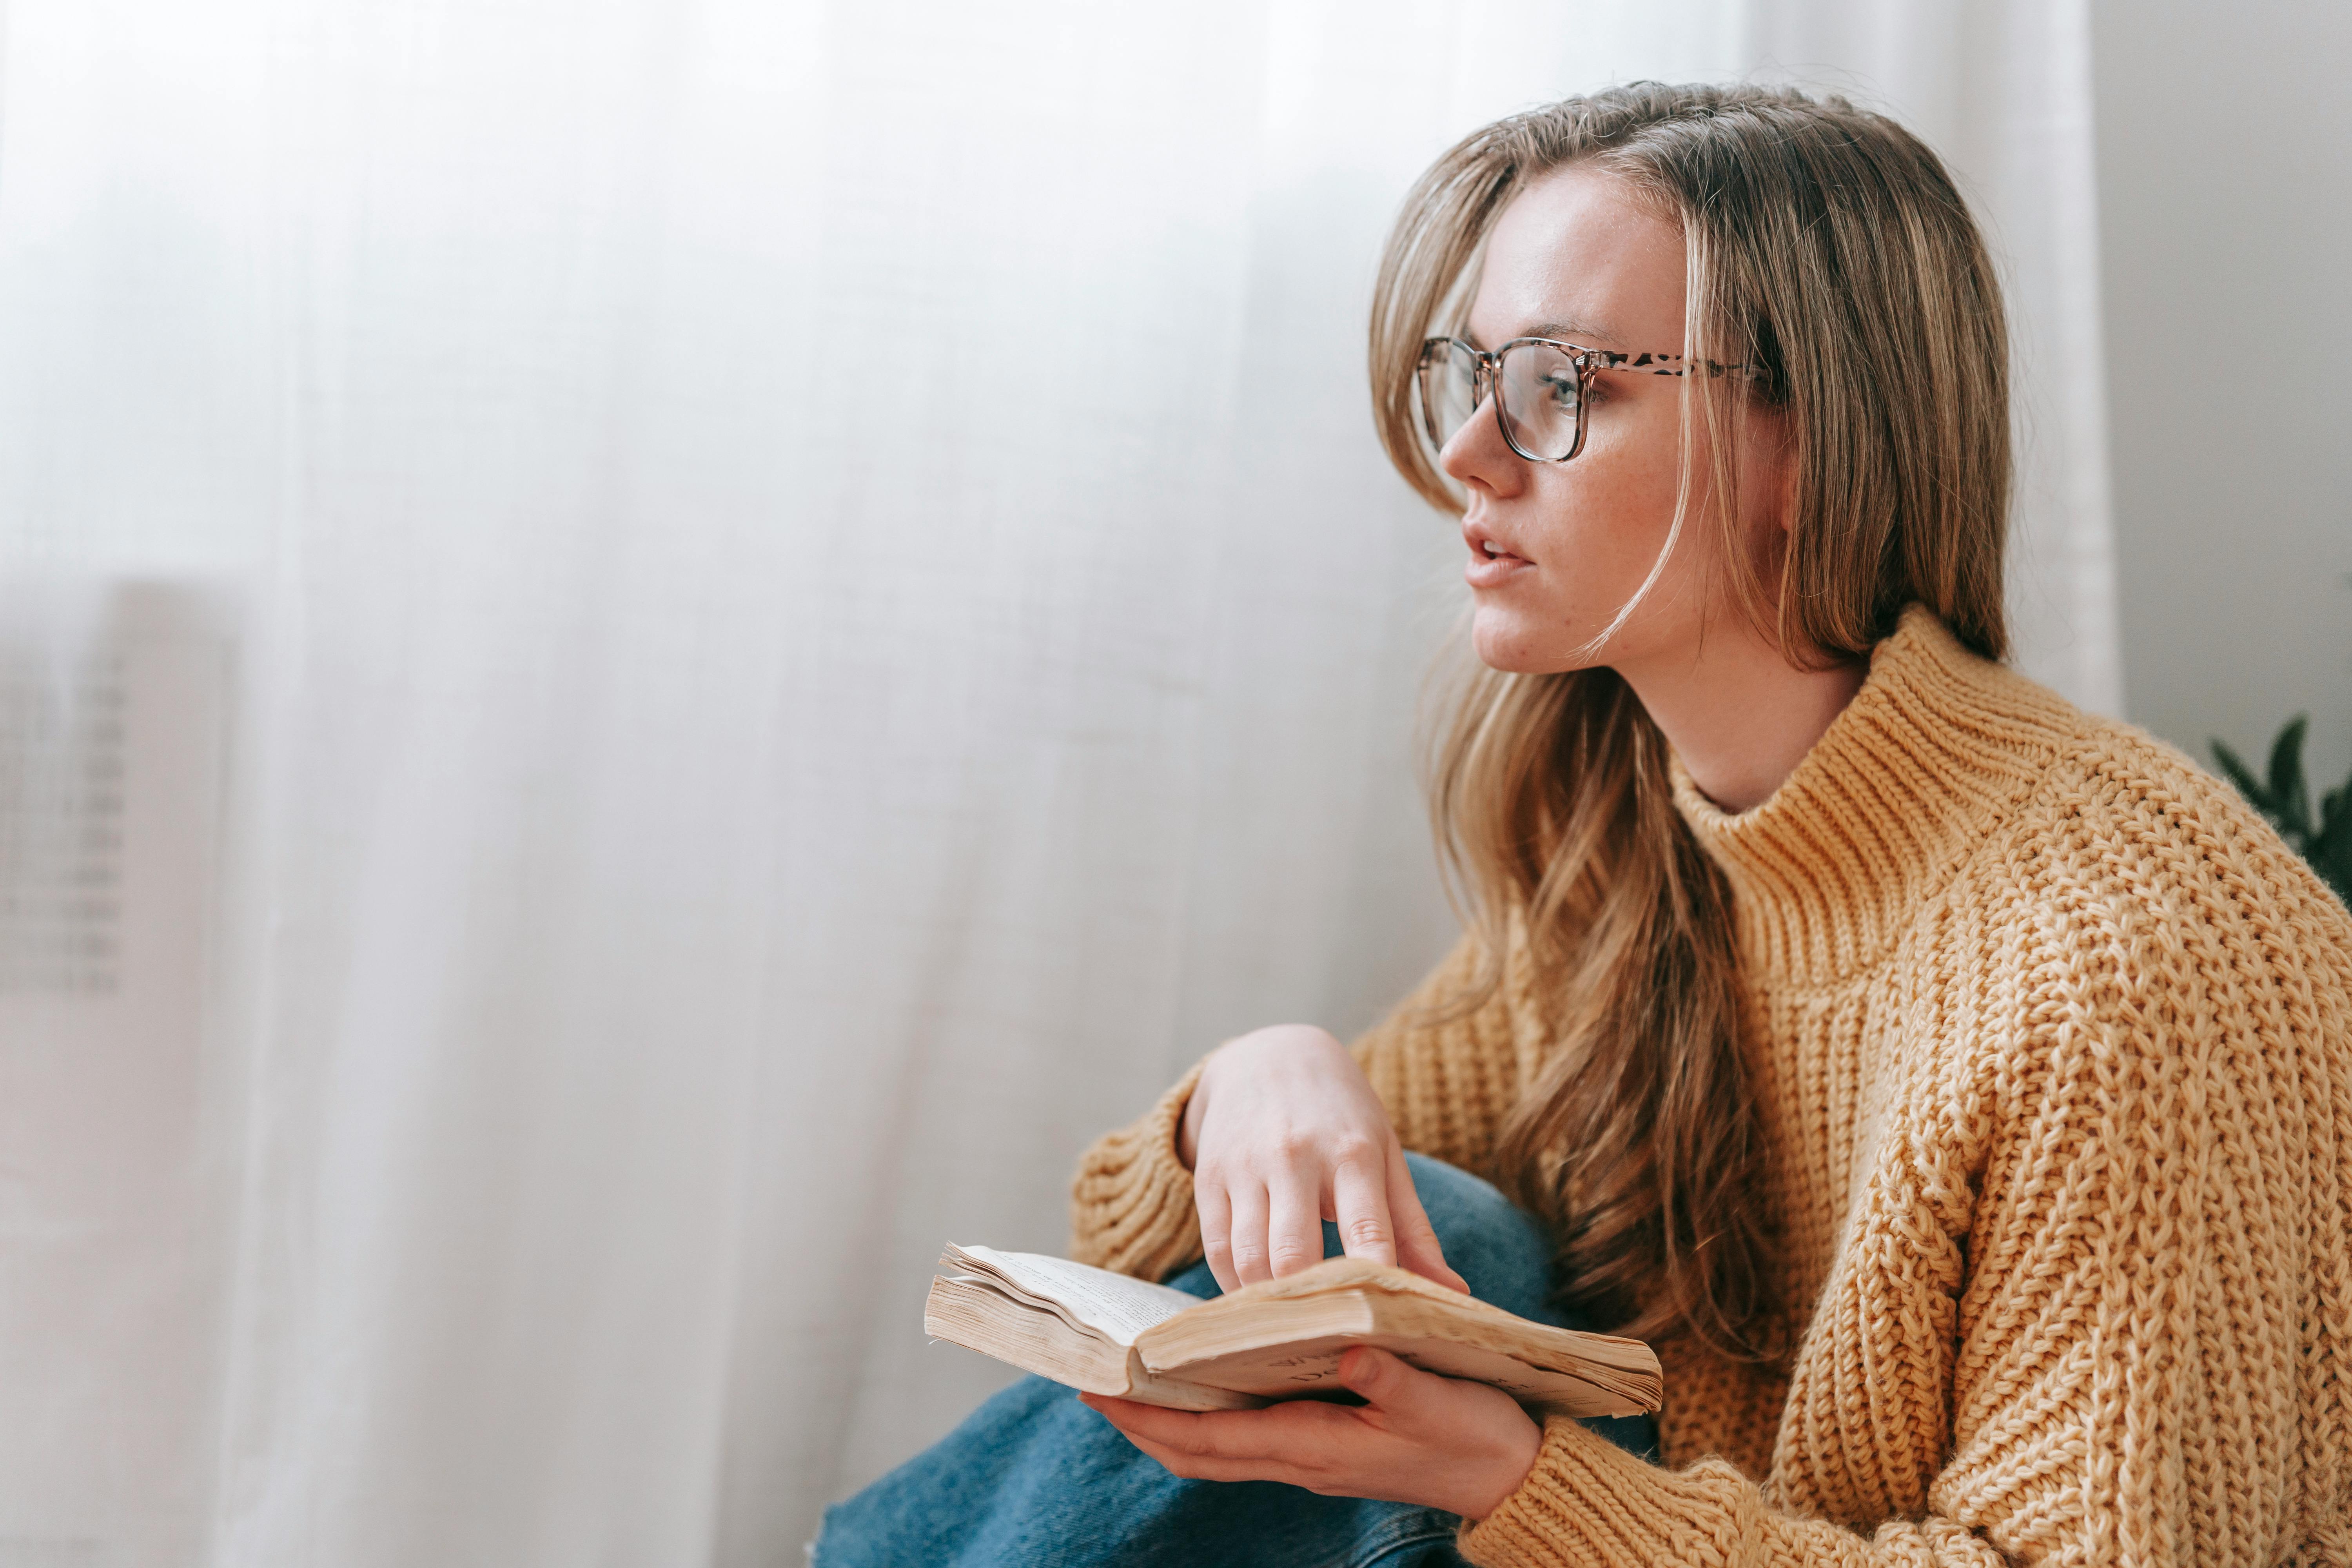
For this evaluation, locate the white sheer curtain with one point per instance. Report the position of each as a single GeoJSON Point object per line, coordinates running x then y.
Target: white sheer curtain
{"type": "Point", "coordinates": [653, 654]}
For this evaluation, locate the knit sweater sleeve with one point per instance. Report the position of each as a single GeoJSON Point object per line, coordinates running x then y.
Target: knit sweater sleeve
{"type": "Point", "coordinates": [2135, 1330]}
{"type": "Point", "coordinates": [1446, 1072]}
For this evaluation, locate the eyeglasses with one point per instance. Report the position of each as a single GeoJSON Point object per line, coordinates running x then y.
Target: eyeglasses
{"type": "Point", "coordinates": [1538, 386]}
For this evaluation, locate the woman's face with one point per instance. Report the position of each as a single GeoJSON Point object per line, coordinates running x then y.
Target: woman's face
{"type": "Point", "coordinates": [1557, 549]}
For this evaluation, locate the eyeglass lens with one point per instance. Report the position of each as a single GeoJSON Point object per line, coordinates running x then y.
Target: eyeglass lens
{"type": "Point", "coordinates": [1540, 392]}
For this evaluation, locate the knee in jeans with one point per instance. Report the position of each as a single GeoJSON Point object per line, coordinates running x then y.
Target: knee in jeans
{"type": "Point", "coordinates": [1504, 1252]}
{"type": "Point", "coordinates": [1457, 1201]}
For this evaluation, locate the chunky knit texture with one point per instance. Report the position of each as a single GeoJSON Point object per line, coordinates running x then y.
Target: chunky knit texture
{"type": "Point", "coordinates": [2052, 1044]}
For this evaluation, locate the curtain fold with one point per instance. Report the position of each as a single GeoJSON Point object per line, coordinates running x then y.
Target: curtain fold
{"type": "Point", "coordinates": [736, 626]}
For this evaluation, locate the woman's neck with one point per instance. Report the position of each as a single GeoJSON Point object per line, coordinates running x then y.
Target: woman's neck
{"type": "Point", "coordinates": [1738, 713]}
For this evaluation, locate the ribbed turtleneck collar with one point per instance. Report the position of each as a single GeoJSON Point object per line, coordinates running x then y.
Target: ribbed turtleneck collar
{"type": "Point", "coordinates": [1936, 749]}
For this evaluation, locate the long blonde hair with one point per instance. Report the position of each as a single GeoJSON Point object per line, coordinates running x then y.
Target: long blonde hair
{"type": "Point", "coordinates": [1828, 246]}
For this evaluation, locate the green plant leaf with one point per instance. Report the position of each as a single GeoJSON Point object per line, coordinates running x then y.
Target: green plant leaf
{"type": "Point", "coordinates": [2291, 801]}
{"type": "Point", "coordinates": [2331, 847]}
{"type": "Point", "coordinates": [2234, 768]}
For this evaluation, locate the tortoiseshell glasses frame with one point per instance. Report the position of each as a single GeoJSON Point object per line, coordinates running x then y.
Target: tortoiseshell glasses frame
{"type": "Point", "coordinates": [1537, 386]}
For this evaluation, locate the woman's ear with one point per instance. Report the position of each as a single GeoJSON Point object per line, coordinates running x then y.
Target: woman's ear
{"type": "Point", "coordinates": [1771, 474]}
{"type": "Point", "coordinates": [1781, 467]}
{"type": "Point", "coordinates": [1769, 480]}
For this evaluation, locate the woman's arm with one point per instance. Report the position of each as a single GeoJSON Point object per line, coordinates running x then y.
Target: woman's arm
{"type": "Point", "coordinates": [1442, 1078]}
{"type": "Point", "coordinates": [2134, 1339]}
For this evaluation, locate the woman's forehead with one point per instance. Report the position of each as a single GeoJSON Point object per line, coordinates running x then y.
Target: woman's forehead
{"type": "Point", "coordinates": [1578, 256]}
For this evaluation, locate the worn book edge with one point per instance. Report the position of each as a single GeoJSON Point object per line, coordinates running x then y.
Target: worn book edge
{"type": "Point", "coordinates": [1150, 1343]}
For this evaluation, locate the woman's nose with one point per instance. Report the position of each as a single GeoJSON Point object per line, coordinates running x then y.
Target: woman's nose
{"type": "Point", "coordinates": [1477, 455]}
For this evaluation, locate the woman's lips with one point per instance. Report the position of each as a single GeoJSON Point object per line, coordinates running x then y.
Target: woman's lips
{"type": "Point", "coordinates": [1491, 565]}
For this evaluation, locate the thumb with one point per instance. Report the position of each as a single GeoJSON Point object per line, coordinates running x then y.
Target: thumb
{"type": "Point", "coordinates": [1383, 1379]}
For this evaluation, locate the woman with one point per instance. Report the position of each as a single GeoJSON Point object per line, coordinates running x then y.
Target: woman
{"type": "Point", "coordinates": [1955, 1087]}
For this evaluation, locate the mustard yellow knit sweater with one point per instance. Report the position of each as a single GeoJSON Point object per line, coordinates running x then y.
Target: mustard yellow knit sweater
{"type": "Point", "coordinates": [2052, 1047]}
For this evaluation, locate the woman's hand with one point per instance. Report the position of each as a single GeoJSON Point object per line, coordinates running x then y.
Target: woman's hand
{"type": "Point", "coordinates": [1282, 1134]}
{"type": "Point", "coordinates": [1436, 1442]}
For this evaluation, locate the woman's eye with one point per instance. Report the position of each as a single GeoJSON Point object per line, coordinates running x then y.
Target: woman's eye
{"type": "Point", "coordinates": [1562, 390]}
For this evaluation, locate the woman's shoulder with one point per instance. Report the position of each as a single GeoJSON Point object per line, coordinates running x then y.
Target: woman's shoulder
{"type": "Point", "coordinates": [2128, 839]}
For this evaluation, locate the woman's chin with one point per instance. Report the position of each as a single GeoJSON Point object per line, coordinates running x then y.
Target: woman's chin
{"type": "Point", "coordinates": [1502, 643]}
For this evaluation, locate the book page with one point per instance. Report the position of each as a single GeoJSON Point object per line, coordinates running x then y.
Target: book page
{"type": "Point", "coordinates": [1312, 1365]}
{"type": "Point", "coordinates": [1289, 1334]}
{"type": "Point", "coordinates": [1274, 1312]}
{"type": "Point", "coordinates": [1113, 1304]}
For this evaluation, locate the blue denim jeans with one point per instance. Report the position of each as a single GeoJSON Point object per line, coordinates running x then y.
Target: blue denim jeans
{"type": "Point", "coordinates": [1035, 1478]}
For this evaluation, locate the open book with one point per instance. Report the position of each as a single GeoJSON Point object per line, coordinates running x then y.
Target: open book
{"type": "Point", "coordinates": [1280, 1339]}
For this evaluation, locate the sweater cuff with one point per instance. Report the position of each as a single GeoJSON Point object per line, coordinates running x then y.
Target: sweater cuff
{"type": "Point", "coordinates": [1586, 1500]}
{"type": "Point", "coordinates": [1131, 1206]}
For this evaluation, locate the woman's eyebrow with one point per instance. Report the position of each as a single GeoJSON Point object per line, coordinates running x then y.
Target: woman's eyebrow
{"type": "Point", "coordinates": [1584, 334]}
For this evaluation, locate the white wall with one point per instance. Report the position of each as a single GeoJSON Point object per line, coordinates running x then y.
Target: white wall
{"type": "Point", "coordinates": [2225, 189]}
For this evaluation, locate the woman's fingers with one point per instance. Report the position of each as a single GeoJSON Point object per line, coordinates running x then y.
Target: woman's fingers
{"type": "Point", "coordinates": [1220, 1445]}
{"type": "Point", "coordinates": [1360, 1203]}
{"type": "Point", "coordinates": [1382, 1379]}
{"type": "Point", "coordinates": [1216, 1211]}
{"type": "Point", "coordinates": [1294, 1237]}
{"type": "Point", "coordinates": [1416, 1238]}
{"type": "Point", "coordinates": [1253, 1230]}
{"type": "Point", "coordinates": [1418, 1437]}
{"type": "Point", "coordinates": [1247, 1244]}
